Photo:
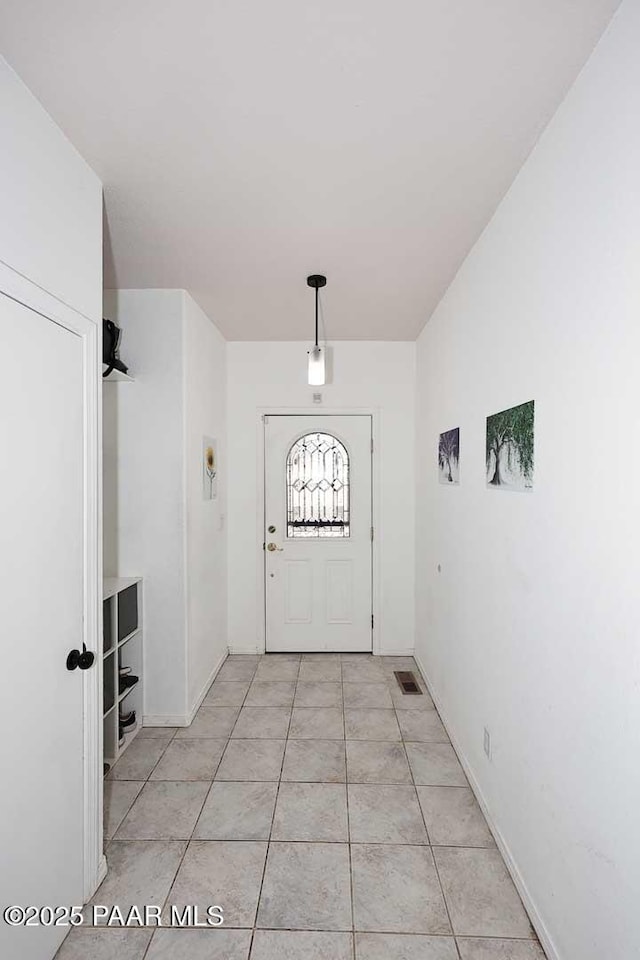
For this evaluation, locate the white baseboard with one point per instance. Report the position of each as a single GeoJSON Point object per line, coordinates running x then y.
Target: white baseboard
{"type": "Point", "coordinates": [384, 652]}
{"type": "Point", "coordinates": [165, 720]}
{"type": "Point", "coordinates": [102, 869]}
{"type": "Point", "coordinates": [184, 720]}
{"type": "Point", "coordinates": [536, 920]}
{"type": "Point", "coordinates": [205, 687]}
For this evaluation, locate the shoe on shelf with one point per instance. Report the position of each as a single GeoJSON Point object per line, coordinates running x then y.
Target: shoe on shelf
{"type": "Point", "coordinates": [127, 721]}
{"type": "Point", "coordinates": [126, 725]}
{"type": "Point", "coordinates": [127, 682]}
{"type": "Point", "coordinates": [124, 671]}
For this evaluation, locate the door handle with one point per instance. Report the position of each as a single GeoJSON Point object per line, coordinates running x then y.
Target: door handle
{"type": "Point", "coordinates": [272, 547]}
{"type": "Point", "coordinates": [83, 660]}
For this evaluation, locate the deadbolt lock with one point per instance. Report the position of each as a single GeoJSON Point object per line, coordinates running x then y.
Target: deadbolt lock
{"type": "Point", "coordinates": [272, 529]}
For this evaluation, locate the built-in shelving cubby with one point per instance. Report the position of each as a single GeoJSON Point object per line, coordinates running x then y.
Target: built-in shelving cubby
{"type": "Point", "coordinates": [122, 648]}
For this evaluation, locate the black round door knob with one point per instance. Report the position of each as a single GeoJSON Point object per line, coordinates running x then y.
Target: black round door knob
{"type": "Point", "coordinates": [83, 660]}
{"type": "Point", "coordinates": [86, 658]}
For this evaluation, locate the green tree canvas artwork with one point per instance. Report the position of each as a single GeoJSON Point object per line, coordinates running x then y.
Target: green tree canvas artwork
{"type": "Point", "coordinates": [509, 448]}
{"type": "Point", "coordinates": [449, 456]}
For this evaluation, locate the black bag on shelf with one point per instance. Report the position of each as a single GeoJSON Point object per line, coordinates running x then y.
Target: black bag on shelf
{"type": "Point", "coordinates": [111, 336]}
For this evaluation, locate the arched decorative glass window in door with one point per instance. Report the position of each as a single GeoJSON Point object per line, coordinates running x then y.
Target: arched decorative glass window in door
{"type": "Point", "coordinates": [318, 487]}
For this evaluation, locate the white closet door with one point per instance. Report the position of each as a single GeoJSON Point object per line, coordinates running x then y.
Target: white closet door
{"type": "Point", "coordinates": [41, 618]}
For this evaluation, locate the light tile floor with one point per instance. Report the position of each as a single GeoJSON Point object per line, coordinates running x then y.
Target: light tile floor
{"type": "Point", "coordinates": [325, 811]}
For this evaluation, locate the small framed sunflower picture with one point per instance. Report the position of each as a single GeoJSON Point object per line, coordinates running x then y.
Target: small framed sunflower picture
{"type": "Point", "coordinates": [209, 469]}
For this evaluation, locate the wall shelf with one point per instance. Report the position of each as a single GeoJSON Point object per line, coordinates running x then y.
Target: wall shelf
{"type": "Point", "coordinates": [133, 633]}
{"type": "Point", "coordinates": [117, 376]}
{"type": "Point", "coordinates": [122, 617]}
{"type": "Point", "coordinates": [126, 693]}
{"type": "Point", "coordinates": [113, 585]}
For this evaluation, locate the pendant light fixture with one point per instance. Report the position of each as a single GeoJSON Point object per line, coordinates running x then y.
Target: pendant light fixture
{"type": "Point", "coordinates": [316, 354]}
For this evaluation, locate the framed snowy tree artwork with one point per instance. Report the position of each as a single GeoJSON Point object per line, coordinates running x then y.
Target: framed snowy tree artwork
{"type": "Point", "coordinates": [449, 457]}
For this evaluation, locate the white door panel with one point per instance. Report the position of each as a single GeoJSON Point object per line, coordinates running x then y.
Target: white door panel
{"type": "Point", "coordinates": [298, 584]}
{"type": "Point", "coordinates": [318, 534]}
{"type": "Point", "coordinates": [41, 613]}
{"type": "Point", "coordinates": [339, 597]}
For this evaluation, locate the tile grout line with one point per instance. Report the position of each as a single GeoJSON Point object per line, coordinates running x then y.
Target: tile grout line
{"type": "Point", "coordinates": [217, 767]}
{"type": "Point", "coordinates": [433, 857]}
{"type": "Point", "coordinates": [129, 810]}
{"type": "Point", "coordinates": [188, 842]}
{"type": "Point", "coordinates": [273, 817]}
{"type": "Point", "coordinates": [144, 783]}
{"type": "Point", "coordinates": [346, 789]}
{"type": "Point", "coordinates": [342, 843]}
{"type": "Point", "coordinates": [106, 842]}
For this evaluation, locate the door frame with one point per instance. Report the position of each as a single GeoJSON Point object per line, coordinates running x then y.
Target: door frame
{"type": "Point", "coordinates": [311, 411]}
{"type": "Point", "coordinates": [30, 295]}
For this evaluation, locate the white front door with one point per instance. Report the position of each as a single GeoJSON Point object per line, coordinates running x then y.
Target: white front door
{"type": "Point", "coordinates": [318, 532]}
{"type": "Point", "coordinates": [41, 618]}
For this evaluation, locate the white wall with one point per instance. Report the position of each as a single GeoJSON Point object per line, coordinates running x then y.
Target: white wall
{"type": "Point", "coordinates": [156, 523]}
{"type": "Point", "coordinates": [51, 236]}
{"type": "Point", "coordinates": [531, 628]}
{"type": "Point", "coordinates": [205, 415]}
{"type": "Point", "coordinates": [367, 375]}
{"type": "Point", "coordinates": [145, 432]}
{"type": "Point", "coordinates": [51, 222]}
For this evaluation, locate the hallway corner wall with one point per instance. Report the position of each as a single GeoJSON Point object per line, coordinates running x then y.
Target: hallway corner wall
{"type": "Point", "coordinates": [157, 525]}
{"type": "Point", "coordinates": [527, 603]}
{"type": "Point", "coordinates": [205, 381]}
{"type": "Point", "coordinates": [144, 483]}
{"type": "Point", "coordinates": [367, 374]}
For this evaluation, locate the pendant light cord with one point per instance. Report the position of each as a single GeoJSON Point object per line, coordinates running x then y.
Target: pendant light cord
{"type": "Point", "coordinates": [317, 293]}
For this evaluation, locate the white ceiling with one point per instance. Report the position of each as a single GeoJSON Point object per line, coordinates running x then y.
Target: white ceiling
{"type": "Point", "coordinates": [244, 144]}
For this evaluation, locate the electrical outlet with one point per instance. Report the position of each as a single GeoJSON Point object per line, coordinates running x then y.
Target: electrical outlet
{"type": "Point", "coordinates": [487, 743]}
